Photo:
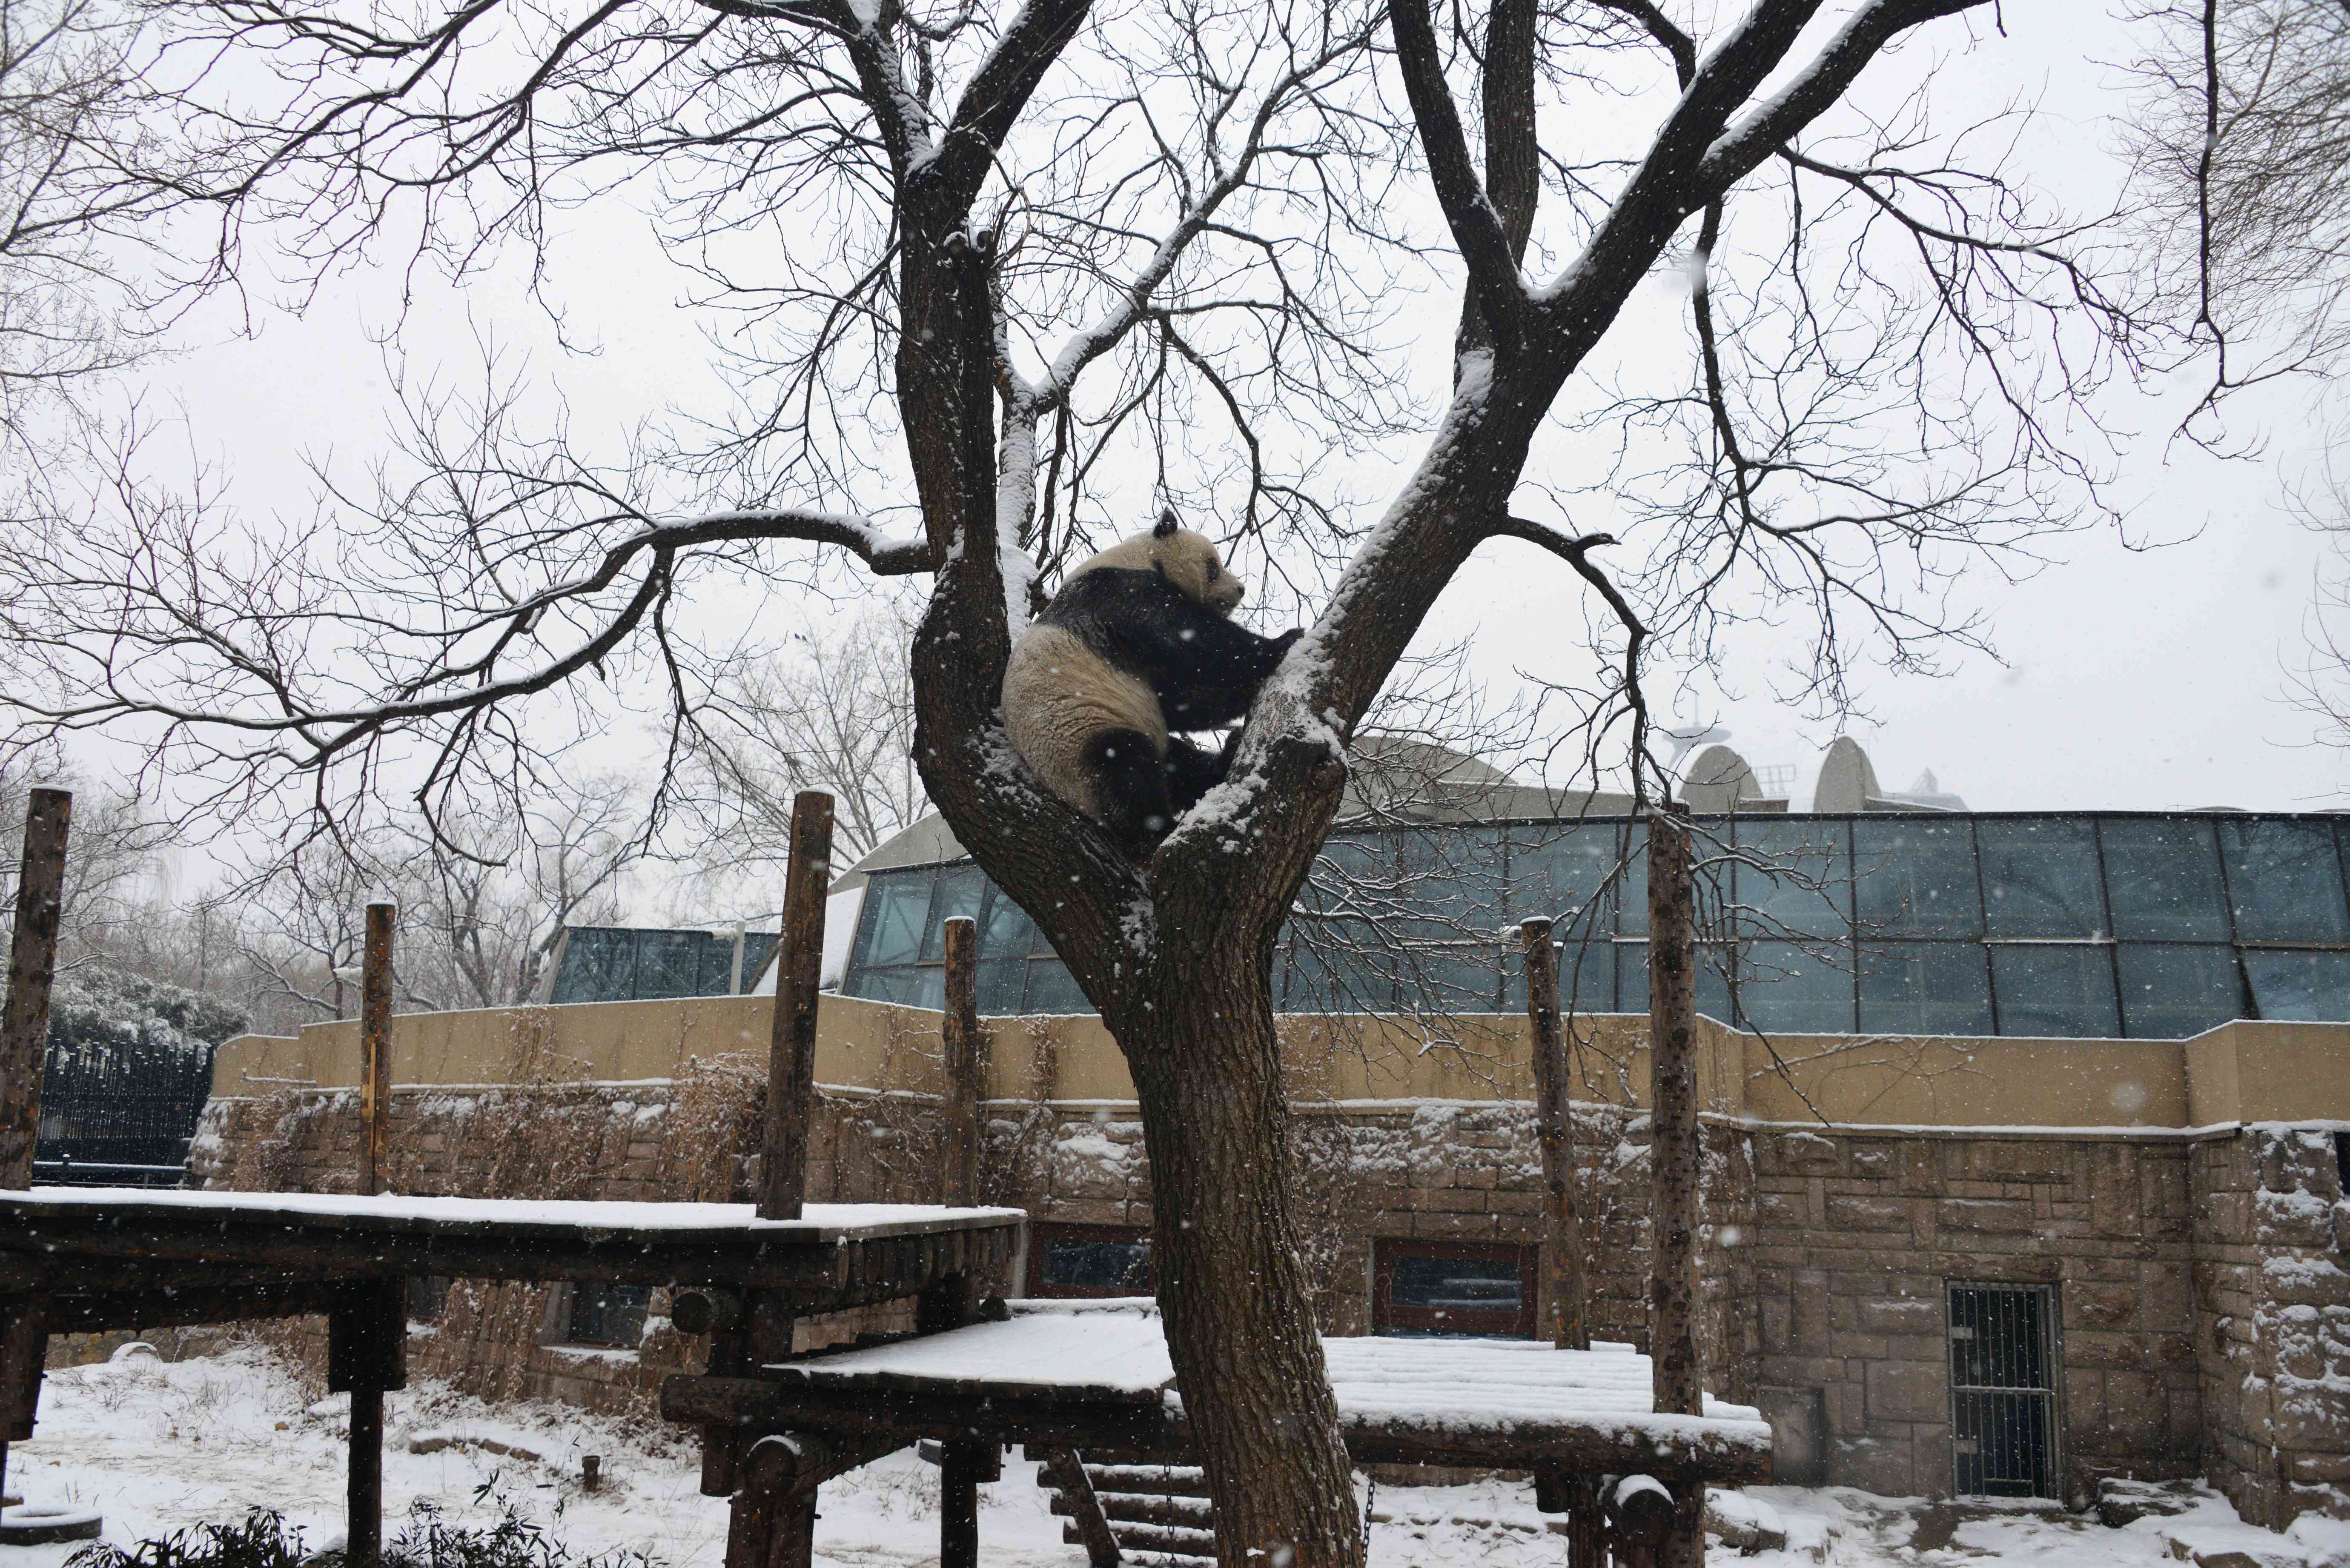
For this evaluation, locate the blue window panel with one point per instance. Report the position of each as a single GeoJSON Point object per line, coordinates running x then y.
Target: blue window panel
{"type": "Point", "coordinates": [1917, 879]}
{"type": "Point", "coordinates": [1005, 930]}
{"type": "Point", "coordinates": [2284, 881]}
{"type": "Point", "coordinates": [904, 985]}
{"type": "Point", "coordinates": [2170, 991]}
{"type": "Point", "coordinates": [1002, 985]}
{"type": "Point", "coordinates": [1338, 968]}
{"type": "Point", "coordinates": [2303, 987]}
{"type": "Point", "coordinates": [2040, 878]}
{"type": "Point", "coordinates": [1458, 1285]}
{"type": "Point", "coordinates": [960, 890]}
{"type": "Point", "coordinates": [2162, 879]}
{"type": "Point", "coordinates": [1632, 892]}
{"type": "Point", "coordinates": [896, 906]}
{"type": "Point", "coordinates": [1053, 988]}
{"type": "Point", "coordinates": [757, 948]}
{"type": "Point", "coordinates": [2056, 992]}
{"type": "Point", "coordinates": [1784, 988]}
{"type": "Point", "coordinates": [669, 963]}
{"type": "Point", "coordinates": [1453, 979]}
{"type": "Point", "coordinates": [1924, 988]}
{"type": "Point", "coordinates": [1587, 976]}
{"type": "Point", "coordinates": [1449, 883]}
{"type": "Point", "coordinates": [1712, 980]}
{"type": "Point", "coordinates": [1802, 882]}
{"type": "Point", "coordinates": [598, 965]}
{"type": "Point", "coordinates": [1560, 872]}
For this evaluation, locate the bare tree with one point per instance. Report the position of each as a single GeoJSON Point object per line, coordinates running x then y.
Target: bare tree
{"type": "Point", "coordinates": [967, 315]}
{"type": "Point", "coordinates": [2243, 148]}
{"type": "Point", "coordinates": [833, 713]}
{"type": "Point", "coordinates": [117, 847]}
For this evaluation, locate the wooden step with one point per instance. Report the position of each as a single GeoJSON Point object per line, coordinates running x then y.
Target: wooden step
{"type": "Point", "coordinates": [1191, 1514]}
{"type": "Point", "coordinates": [1194, 1545]}
{"type": "Point", "coordinates": [1152, 1480]}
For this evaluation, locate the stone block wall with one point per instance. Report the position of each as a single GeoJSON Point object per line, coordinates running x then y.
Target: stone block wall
{"type": "Point", "coordinates": [2273, 1301]}
{"type": "Point", "coordinates": [1858, 1235]}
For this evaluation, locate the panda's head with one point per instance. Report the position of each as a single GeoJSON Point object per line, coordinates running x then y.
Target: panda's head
{"type": "Point", "coordinates": [1184, 558]}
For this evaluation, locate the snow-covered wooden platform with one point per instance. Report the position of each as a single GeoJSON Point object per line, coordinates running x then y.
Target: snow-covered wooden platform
{"type": "Point", "coordinates": [109, 1257]}
{"type": "Point", "coordinates": [1101, 1379]}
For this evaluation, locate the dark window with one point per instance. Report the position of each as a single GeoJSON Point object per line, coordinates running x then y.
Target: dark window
{"type": "Point", "coordinates": [1449, 883]}
{"type": "Point", "coordinates": [608, 1315]}
{"type": "Point", "coordinates": [1007, 932]}
{"type": "Point", "coordinates": [1923, 988]}
{"type": "Point", "coordinates": [428, 1297]}
{"type": "Point", "coordinates": [1712, 979]}
{"type": "Point", "coordinates": [2171, 991]}
{"type": "Point", "coordinates": [1800, 883]}
{"type": "Point", "coordinates": [2040, 878]}
{"type": "Point", "coordinates": [960, 889]}
{"type": "Point", "coordinates": [1557, 871]}
{"type": "Point", "coordinates": [2284, 881]}
{"type": "Point", "coordinates": [1000, 985]}
{"type": "Point", "coordinates": [1587, 973]}
{"type": "Point", "coordinates": [1088, 1260]}
{"type": "Point", "coordinates": [1053, 988]}
{"type": "Point", "coordinates": [2162, 876]}
{"type": "Point", "coordinates": [1917, 879]}
{"type": "Point", "coordinates": [598, 964]}
{"type": "Point", "coordinates": [2055, 989]}
{"type": "Point", "coordinates": [1786, 988]}
{"type": "Point", "coordinates": [2309, 988]}
{"type": "Point", "coordinates": [2002, 1398]}
{"type": "Point", "coordinates": [1339, 966]}
{"type": "Point", "coordinates": [669, 963]}
{"type": "Point", "coordinates": [1482, 1290]}
{"type": "Point", "coordinates": [896, 907]}
{"type": "Point", "coordinates": [1456, 977]}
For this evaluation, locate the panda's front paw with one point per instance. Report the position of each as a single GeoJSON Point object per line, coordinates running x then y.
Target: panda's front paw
{"type": "Point", "coordinates": [1281, 644]}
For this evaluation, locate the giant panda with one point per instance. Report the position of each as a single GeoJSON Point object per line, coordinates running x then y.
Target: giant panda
{"type": "Point", "coordinates": [1135, 645]}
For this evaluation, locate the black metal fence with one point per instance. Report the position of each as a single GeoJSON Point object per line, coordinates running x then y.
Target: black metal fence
{"type": "Point", "coordinates": [120, 1112]}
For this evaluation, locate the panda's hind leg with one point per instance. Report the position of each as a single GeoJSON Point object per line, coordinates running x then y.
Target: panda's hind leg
{"type": "Point", "coordinates": [1192, 772]}
{"type": "Point", "coordinates": [1131, 789]}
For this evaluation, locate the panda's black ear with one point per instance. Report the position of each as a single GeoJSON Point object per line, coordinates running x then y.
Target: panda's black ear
{"type": "Point", "coordinates": [1167, 525]}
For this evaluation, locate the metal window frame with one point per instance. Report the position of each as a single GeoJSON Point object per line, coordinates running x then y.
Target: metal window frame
{"type": "Point", "coordinates": [1043, 1233]}
{"type": "Point", "coordinates": [2049, 1295]}
{"type": "Point", "coordinates": [1462, 1322]}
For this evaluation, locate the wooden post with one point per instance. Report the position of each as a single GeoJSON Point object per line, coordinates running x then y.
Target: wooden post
{"type": "Point", "coordinates": [366, 1353]}
{"type": "Point", "coordinates": [961, 1467]}
{"type": "Point", "coordinates": [375, 1049]}
{"type": "Point", "coordinates": [1673, 1155]}
{"type": "Point", "coordinates": [1564, 1295]}
{"type": "Point", "coordinates": [800, 970]}
{"type": "Point", "coordinates": [23, 1054]}
{"type": "Point", "coordinates": [32, 964]}
{"type": "Point", "coordinates": [960, 1037]}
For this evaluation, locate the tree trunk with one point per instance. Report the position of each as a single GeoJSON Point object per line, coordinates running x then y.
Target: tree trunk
{"type": "Point", "coordinates": [1230, 1274]}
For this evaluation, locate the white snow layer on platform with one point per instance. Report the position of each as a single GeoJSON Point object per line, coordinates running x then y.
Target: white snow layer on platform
{"type": "Point", "coordinates": [1430, 1384]}
{"type": "Point", "coordinates": [822, 1220]}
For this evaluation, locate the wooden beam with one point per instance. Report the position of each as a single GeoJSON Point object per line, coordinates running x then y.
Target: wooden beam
{"type": "Point", "coordinates": [1564, 1297]}
{"type": "Point", "coordinates": [799, 970]}
{"type": "Point", "coordinates": [32, 965]}
{"type": "Point", "coordinates": [375, 1049]}
{"type": "Point", "coordinates": [962, 1066]}
{"type": "Point", "coordinates": [1075, 1489]}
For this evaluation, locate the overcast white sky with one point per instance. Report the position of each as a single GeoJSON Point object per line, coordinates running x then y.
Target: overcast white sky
{"type": "Point", "coordinates": [2133, 678]}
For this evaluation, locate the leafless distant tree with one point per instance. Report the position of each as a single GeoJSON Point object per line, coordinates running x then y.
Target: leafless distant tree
{"type": "Point", "coordinates": [117, 846]}
{"type": "Point", "coordinates": [999, 273]}
{"type": "Point", "coordinates": [833, 713]}
{"type": "Point", "coordinates": [2243, 148]}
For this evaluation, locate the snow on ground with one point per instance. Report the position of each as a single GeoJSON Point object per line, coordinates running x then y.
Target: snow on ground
{"type": "Point", "coordinates": [158, 1447]}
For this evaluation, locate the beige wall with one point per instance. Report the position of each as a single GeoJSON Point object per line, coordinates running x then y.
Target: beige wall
{"type": "Point", "coordinates": [2239, 1072]}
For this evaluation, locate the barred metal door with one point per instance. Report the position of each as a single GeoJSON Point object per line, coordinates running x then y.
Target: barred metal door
{"type": "Point", "coordinates": [2002, 1391]}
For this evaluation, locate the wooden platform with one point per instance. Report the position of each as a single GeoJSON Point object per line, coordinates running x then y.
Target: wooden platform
{"type": "Point", "coordinates": [1093, 1378]}
{"type": "Point", "coordinates": [133, 1257]}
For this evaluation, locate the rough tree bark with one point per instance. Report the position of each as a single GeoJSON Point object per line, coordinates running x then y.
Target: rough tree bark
{"type": "Point", "coordinates": [1673, 1152]}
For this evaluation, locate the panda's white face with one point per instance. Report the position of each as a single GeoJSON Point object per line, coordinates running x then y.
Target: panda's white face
{"type": "Point", "coordinates": [1187, 560]}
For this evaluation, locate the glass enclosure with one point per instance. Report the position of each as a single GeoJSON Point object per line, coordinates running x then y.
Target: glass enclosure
{"type": "Point", "coordinates": [2107, 926]}
{"type": "Point", "coordinates": [620, 964]}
